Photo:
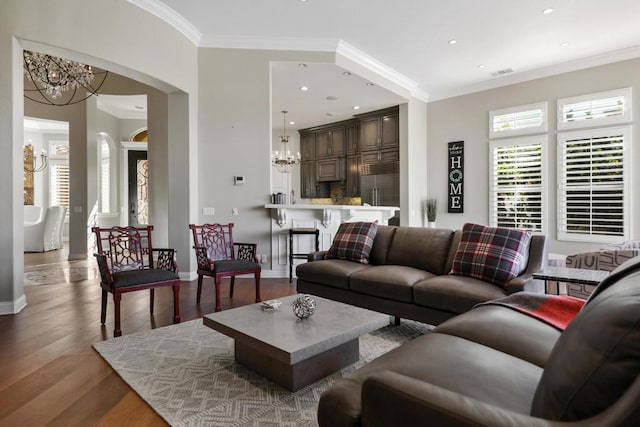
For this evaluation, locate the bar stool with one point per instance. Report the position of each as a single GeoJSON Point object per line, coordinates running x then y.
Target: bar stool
{"type": "Point", "coordinates": [292, 256]}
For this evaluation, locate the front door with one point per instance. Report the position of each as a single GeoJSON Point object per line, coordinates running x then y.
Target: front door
{"type": "Point", "coordinates": [138, 188]}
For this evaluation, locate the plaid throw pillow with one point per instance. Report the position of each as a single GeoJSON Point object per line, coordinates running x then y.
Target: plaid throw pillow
{"type": "Point", "coordinates": [353, 241]}
{"type": "Point", "coordinates": [493, 254]}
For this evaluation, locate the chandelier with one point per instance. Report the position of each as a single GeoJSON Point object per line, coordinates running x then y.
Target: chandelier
{"type": "Point", "coordinates": [57, 81]}
{"type": "Point", "coordinates": [34, 163]}
{"type": "Point", "coordinates": [284, 160]}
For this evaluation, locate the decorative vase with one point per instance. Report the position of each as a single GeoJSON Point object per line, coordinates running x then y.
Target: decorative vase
{"type": "Point", "coordinates": [303, 306]}
{"type": "Point", "coordinates": [431, 224]}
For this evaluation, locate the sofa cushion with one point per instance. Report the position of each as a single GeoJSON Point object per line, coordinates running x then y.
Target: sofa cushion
{"type": "Point", "coordinates": [506, 330]}
{"type": "Point", "coordinates": [330, 272]}
{"type": "Point", "coordinates": [589, 371]}
{"type": "Point", "coordinates": [423, 248]}
{"type": "Point", "coordinates": [493, 254]}
{"type": "Point", "coordinates": [353, 241]}
{"type": "Point", "coordinates": [455, 294]}
{"type": "Point", "coordinates": [447, 361]}
{"type": "Point", "coordinates": [381, 244]}
{"type": "Point", "coordinates": [394, 282]}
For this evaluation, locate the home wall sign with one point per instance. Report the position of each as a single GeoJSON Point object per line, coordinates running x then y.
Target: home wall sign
{"type": "Point", "coordinates": [455, 199]}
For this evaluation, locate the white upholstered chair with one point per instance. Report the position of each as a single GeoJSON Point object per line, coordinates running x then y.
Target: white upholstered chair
{"type": "Point", "coordinates": [32, 214]}
{"type": "Point", "coordinates": [46, 234]}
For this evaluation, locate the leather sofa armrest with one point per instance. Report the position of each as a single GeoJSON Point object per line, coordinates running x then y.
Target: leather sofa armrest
{"type": "Point", "coordinates": [391, 399]}
{"type": "Point", "coordinates": [316, 256]}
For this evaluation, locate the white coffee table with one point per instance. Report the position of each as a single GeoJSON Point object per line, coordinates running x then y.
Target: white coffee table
{"type": "Point", "coordinates": [292, 352]}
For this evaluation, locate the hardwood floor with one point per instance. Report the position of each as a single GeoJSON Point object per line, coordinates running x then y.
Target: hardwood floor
{"type": "Point", "coordinates": [50, 374]}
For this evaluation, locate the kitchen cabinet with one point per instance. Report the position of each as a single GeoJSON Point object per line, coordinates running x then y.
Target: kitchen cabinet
{"type": "Point", "coordinates": [330, 169]}
{"type": "Point", "coordinates": [352, 133]}
{"type": "Point", "coordinates": [307, 180]}
{"type": "Point", "coordinates": [330, 143]}
{"type": "Point", "coordinates": [309, 185]}
{"type": "Point", "coordinates": [379, 129]}
{"type": "Point", "coordinates": [307, 146]}
{"type": "Point", "coordinates": [380, 156]}
{"type": "Point", "coordinates": [352, 181]}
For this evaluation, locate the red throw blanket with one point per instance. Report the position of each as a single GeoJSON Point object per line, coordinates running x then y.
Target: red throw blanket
{"type": "Point", "coordinates": [556, 310]}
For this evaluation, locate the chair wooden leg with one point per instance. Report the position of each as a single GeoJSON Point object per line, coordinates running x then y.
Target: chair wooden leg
{"type": "Point", "coordinates": [116, 315]}
{"type": "Point", "coordinates": [258, 287]}
{"type": "Point", "coordinates": [151, 300]}
{"type": "Point", "coordinates": [199, 289]}
{"type": "Point", "coordinates": [218, 307]}
{"type": "Point", "coordinates": [103, 310]}
{"type": "Point", "coordinates": [176, 303]}
{"type": "Point", "coordinates": [233, 282]}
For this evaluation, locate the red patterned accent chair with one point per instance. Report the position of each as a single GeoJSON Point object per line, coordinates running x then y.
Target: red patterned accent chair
{"type": "Point", "coordinates": [218, 256]}
{"type": "Point", "coordinates": [128, 262]}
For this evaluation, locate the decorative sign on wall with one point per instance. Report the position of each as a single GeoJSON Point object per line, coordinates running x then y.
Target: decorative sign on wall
{"type": "Point", "coordinates": [455, 199]}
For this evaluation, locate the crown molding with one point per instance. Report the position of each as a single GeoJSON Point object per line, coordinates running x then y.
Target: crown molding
{"type": "Point", "coordinates": [171, 17]}
{"type": "Point", "coordinates": [552, 70]}
{"type": "Point", "coordinates": [372, 64]}
{"type": "Point", "coordinates": [269, 43]}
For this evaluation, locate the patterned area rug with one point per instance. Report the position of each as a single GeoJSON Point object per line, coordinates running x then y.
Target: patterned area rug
{"type": "Point", "coordinates": [57, 273]}
{"type": "Point", "coordinates": [187, 374]}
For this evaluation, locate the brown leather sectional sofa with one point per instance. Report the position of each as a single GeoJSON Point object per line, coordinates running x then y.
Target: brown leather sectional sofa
{"type": "Point", "coordinates": [494, 366]}
{"type": "Point", "coordinates": [407, 276]}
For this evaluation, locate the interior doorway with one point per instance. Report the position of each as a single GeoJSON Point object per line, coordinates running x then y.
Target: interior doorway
{"type": "Point", "coordinates": [138, 185]}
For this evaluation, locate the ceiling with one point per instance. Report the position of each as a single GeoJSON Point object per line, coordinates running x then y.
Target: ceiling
{"type": "Point", "coordinates": [408, 42]}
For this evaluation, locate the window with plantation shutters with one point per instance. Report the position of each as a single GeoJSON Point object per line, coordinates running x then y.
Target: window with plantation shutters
{"type": "Point", "coordinates": [593, 190]}
{"type": "Point", "coordinates": [517, 196]}
{"type": "Point", "coordinates": [524, 119]}
{"type": "Point", "coordinates": [59, 185]}
{"type": "Point", "coordinates": [59, 174]}
{"type": "Point", "coordinates": [596, 109]}
{"type": "Point", "coordinates": [105, 176]}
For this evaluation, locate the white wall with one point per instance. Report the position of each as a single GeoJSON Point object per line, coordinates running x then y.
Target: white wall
{"type": "Point", "coordinates": [467, 118]}
{"type": "Point", "coordinates": [166, 59]}
{"type": "Point", "coordinates": [235, 137]}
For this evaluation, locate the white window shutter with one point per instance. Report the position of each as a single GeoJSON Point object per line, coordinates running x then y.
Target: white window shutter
{"type": "Point", "coordinates": [593, 185]}
{"type": "Point", "coordinates": [517, 182]}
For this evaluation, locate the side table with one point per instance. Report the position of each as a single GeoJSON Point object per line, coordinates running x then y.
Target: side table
{"type": "Point", "coordinates": [570, 275]}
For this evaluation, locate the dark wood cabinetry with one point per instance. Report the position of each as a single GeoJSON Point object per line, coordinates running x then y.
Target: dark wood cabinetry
{"type": "Point", "coordinates": [353, 134]}
{"type": "Point", "coordinates": [380, 156]}
{"type": "Point", "coordinates": [330, 169]}
{"type": "Point", "coordinates": [352, 182]}
{"type": "Point", "coordinates": [379, 129]}
{"type": "Point", "coordinates": [307, 180]}
{"type": "Point", "coordinates": [307, 146]}
{"type": "Point", "coordinates": [330, 143]}
{"type": "Point", "coordinates": [339, 151]}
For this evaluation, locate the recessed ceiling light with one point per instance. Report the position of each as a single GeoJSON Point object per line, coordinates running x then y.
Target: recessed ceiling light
{"type": "Point", "coordinates": [564, 44]}
{"type": "Point", "coordinates": [292, 123]}
{"type": "Point", "coordinates": [356, 107]}
{"type": "Point", "coordinates": [304, 88]}
{"type": "Point", "coordinates": [346, 73]}
{"type": "Point", "coordinates": [452, 41]}
{"type": "Point", "coordinates": [302, 65]}
{"type": "Point", "coordinates": [481, 66]}
{"type": "Point", "coordinates": [547, 11]}
{"type": "Point", "coordinates": [369, 84]}
{"type": "Point", "coordinates": [332, 98]}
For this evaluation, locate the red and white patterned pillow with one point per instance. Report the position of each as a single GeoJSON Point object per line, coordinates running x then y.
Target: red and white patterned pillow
{"type": "Point", "coordinates": [353, 241]}
{"type": "Point", "coordinates": [493, 254]}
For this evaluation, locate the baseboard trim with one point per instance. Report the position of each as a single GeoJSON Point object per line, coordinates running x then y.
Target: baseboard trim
{"type": "Point", "coordinates": [13, 307]}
